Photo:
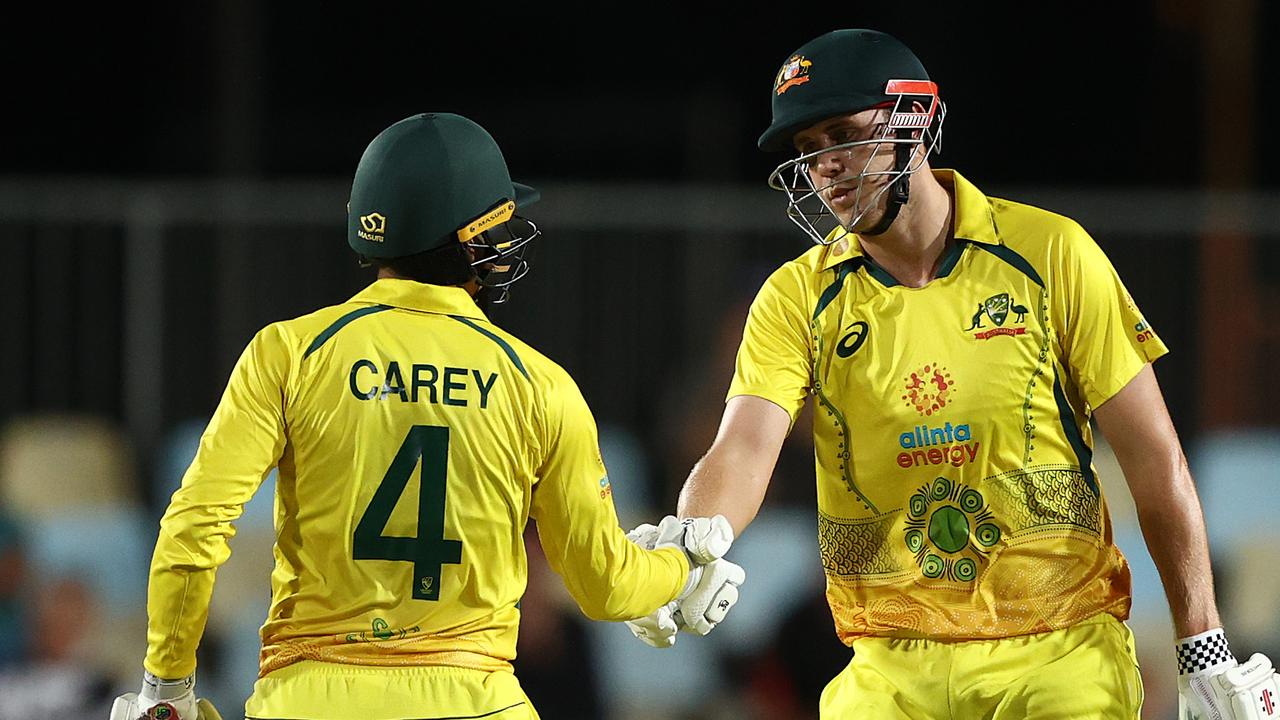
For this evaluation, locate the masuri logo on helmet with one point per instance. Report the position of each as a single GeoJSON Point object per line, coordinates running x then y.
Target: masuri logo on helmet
{"type": "Point", "coordinates": [372, 226]}
{"type": "Point", "coordinates": [441, 179]}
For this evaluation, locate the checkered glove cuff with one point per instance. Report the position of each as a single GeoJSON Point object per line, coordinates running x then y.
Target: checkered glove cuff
{"type": "Point", "coordinates": [1203, 651]}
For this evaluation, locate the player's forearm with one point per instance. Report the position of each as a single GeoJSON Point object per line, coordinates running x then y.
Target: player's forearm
{"type": "Point", "coordinates": [608, 576]}
{"type": "Point", "coordinates": [1173, 526]}
{"type": "Point", "coordinates": [177, 610]}
{"type": "Point", "coordinates": [192, 543]}
{"type": "Point", "coordinates": [726, 482]}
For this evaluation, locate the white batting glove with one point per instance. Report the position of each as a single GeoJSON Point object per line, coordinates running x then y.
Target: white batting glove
{"type": "Point", "coordinates": [1212, 685]}
{"type": "Point", "coordinates": [711, 592]}
{"type": "Point", "coordinates": [657, 629]}
{"type": "Point", "coordinates": [703, 539]}
{"type": "Point", "coordinates": [164, 700]}
{"type": "Point", "coordinates": [711, 589]}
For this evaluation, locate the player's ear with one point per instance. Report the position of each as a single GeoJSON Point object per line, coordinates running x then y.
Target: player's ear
{"type": "Point", "coordinates": [917, 107]}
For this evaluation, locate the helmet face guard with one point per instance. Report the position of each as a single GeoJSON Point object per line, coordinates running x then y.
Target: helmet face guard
{"type": "Point", "coordinates": [499, 240]}
{"type": "Point", "coordinates": [910, 133]}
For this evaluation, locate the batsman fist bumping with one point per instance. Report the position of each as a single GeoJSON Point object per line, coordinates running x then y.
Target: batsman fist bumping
{"type": "Point", "coordinates": [414, 440]}
{"type": "Point", "coordinates": [955, 347]}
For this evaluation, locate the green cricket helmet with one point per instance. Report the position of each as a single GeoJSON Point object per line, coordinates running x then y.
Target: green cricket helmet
{"type": "Point", "coordinates": [841, 73]}
{"type": "Point", "coordinates": [432, 181]}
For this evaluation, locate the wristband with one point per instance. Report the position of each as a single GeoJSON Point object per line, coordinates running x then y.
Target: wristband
{"type": "Point", "coordinates": [1202, 652]}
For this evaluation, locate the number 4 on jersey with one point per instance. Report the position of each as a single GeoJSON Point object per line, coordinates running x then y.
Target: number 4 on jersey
{"type": "Point", "coordinates": [429, 550]}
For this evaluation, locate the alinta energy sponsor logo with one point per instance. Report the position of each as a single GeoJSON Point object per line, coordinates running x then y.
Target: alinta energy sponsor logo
{"type": "Point", "coordinates": [996, 309]}
{"type": "Point", "coordinates": [949, 444]}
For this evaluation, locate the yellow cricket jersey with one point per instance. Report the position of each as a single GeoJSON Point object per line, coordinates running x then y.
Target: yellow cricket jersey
{"type": "Point", "coordinates": [414, 440]}
{"type": "Point", "coordinates": [956, 492]}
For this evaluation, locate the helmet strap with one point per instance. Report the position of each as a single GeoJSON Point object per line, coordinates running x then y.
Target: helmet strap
{"type": "Point", "coordinates": [900, 190]}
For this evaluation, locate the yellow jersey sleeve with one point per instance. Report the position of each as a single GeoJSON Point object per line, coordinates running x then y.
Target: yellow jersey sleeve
{"type": "Point", "coordinates": [610, 577]}
{"type": "Point", "coordinates": [1105, 339]}
{"type": "Point", "coordinates": [242, 443]}
{"type": "Point", "coordinates": [775, 356]}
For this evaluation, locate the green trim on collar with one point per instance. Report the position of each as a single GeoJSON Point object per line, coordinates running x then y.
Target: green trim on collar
{"type": "Point", "coordinates": [834, 288]}
{"type": "Point", "coordinates": [951, 257]}
{"type": "Point", "coordinates": [881, 275]}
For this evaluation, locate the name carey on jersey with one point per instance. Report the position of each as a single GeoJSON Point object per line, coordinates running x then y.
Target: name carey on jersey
{"type": "Point", "coordinates": [421, 382]}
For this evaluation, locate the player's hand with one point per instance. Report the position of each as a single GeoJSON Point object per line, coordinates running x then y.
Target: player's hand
{"type": "Point", "coordinates": [703, 539]}
{"type": "Point", "coordinates": [657, 629]}
{"type": "Point", "coordinates": [1212, 685]}
{"type": "Point", "coordinates": [712, 593]}
{"type": "Point", "coordinates": [711, 589]}
{"type": "Point", "coordinates": [164, 700]}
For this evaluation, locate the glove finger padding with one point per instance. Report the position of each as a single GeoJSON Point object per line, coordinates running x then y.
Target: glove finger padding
{"type": "Point", "coordinates": [657, 629]}
{"type": "Point", "coordinates": [646, 536]}
{"type": "Point", "coordinates": [704, 539]}
{"type": "Point", "coordinates": [1250, 689]}
{"type": "Point", "coordinates": [206, 711]}
{"type": "Point", "coordinates": [125, 707]}
{"type": "Point", "coordinates": [713, 595]}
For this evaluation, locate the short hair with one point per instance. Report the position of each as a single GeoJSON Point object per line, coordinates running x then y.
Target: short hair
{"type": "Point", "coordinates": [447, 265]}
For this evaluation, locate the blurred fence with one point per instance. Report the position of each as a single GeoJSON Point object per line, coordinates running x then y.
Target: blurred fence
{"type": "Point", "coordinates": [133, 298]}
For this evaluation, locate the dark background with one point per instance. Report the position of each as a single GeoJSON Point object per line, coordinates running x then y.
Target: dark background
{"type": "Point", "coordinates": [1062, 93]}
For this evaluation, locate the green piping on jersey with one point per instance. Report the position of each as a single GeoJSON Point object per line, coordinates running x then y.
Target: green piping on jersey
{"type": "Point", "coordinates": [846, 462]}
{"type": "Point", "coordinates": [510, 351]}
{"type": "Point", "coordinates": [1028, 420]}
{"type": "Point", "coordinates": [833, 289]}
{"type": "Point", "coordinates": [1005, 253]}
{"type": "Point", "coordinates": [340, 323]}
{"type": "Point", "coordinates": [1083, 454]}
{"type": "Point", "coordinates": [846, 459]}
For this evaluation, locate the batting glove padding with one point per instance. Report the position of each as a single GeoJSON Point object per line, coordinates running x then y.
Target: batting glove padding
{"type": "Point", "coordinates": [715, 591]}
{"type": "Point", "coordinates": [712, 588]}
{"type": "Point", "coordinates": [703, 539]}
{"type": "Point", "coordinates": [658, 628]}
{"type": "Point", "coordinates": [1212, 685]}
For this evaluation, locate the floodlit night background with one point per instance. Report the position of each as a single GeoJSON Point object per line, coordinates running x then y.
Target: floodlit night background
{"type": "Point", "coordinates": [174, 179]}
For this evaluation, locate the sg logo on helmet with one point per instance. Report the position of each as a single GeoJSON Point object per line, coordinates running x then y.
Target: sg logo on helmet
{"type": "Point", "coordinates": [853, 339]}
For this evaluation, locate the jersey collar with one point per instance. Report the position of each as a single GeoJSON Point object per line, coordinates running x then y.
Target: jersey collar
{"type": "Point", "coordinates": [973, 221]}
{"type": "Point", "coordinates": [411, 295]}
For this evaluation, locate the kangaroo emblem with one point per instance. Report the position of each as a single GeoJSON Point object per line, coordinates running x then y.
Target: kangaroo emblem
{"type": "Point", "coordinates": [977, 318]}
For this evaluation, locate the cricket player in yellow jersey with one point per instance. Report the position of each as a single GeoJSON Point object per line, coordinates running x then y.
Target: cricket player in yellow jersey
{"type": "Point", "coordinates": [956, 346]}
{"type": "Point", "coordinates": [414, 440]}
